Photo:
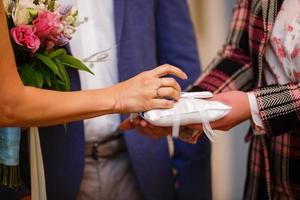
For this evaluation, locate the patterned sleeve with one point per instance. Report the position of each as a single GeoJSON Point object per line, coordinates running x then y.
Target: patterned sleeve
{"type": "Point", "coordinates": [279, 107]}
{"type": "Point", "coordinates": [231, 69]}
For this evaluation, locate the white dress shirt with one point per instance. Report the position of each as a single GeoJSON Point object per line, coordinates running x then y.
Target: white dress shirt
{"type": "Point", "coordinates": [96, 34]}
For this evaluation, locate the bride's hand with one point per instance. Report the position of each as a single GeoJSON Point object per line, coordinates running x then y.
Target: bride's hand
{"type": "Point", "coordinates": [148, 90]}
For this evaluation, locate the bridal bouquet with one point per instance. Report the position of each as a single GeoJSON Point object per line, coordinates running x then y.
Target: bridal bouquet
{"type": "Point", "coordinates": [39, 29]}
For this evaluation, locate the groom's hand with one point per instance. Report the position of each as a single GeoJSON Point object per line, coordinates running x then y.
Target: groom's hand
{"type": "Point", "coordinates": [145, 128]}
{"type": "Point", "coordinates": [126, 125]}
{"type": "Point", "coordinates": [239, 113]}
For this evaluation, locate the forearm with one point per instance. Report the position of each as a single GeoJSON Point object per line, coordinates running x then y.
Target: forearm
{"type": "Point", "coordinates": [37, 107]}
{"type": "Point", "coordinates": [27, 106]}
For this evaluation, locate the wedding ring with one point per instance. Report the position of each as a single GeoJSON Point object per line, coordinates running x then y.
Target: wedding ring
{"type": "Point", "coordinates": [157, 90]}
{"type": "Point", "coordinates": [157, 93]}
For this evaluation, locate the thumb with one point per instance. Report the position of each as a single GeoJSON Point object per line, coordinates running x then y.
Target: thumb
{"type": "Point", "coordinates": [126, 125]}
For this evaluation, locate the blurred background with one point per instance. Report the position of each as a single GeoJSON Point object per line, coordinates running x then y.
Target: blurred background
{"type": "Point", "coordinates": [229, 151]}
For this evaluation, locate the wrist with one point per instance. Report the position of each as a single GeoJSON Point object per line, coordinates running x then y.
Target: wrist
{"type": "Point", "coordinates": [257, 123]}
{"type": "Point", "coordinates": [248, 106]}
{"type": "Point", "coordinates": [114, 95]}
{"type": "Point", "coordinates": [107, 101]}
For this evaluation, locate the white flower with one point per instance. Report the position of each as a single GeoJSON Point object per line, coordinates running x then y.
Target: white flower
{"type": "Point", "coordinates": [6, 3]}
{"type": "Point", "coordinates": [21, 13]}
{"type": "Point", "coordinates": [70, 19]}
{"type": "Point", "coordinates": [7, 6]}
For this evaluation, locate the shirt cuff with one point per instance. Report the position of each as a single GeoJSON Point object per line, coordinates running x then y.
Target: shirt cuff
{"type": "Point", "coordinates": [257, 123]}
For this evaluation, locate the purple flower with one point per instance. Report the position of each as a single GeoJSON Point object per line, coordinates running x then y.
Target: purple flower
{"type": "Point", "coordinates": [61, 40]}
{"type": "Point", "coordinates": [64, 10]}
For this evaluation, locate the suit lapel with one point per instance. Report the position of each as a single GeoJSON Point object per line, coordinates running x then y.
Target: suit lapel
{"type": "Point", "coordinates": [119, 13]}
{"type": "Point", "coordinates": [270, 10]}
{"type": "Point", "coordinates": [269, 13]}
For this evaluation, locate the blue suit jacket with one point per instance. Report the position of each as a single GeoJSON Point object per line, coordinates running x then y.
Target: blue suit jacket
{"type": "Point", "coordinates": [148, 33]}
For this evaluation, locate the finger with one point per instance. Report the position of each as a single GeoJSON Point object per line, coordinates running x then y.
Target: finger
{"type": "Point", "coordinates": [169, 69]}
{"type": "Point", "coordinates": [126, 125]}
{"type": "Point", "coordinates": [143, 123]}
{"type": "Point", "coordinates": [168, 93]}
{"type": "Point", "coordinates": [137, 125]}
{"type": "Point", "coordinates": [170, 82]}
{"type": "Point", "coordinates": [165, 130]}
{"type": "Point", "coordinates": [147, 132]}
{"type": "Point", "coordinates": [152, 133]}
{"type": "Point", "coordinates": [137, 122]}
{"type": "Point", "coordinates": [143, 131]}
{"type": "Point", "coordinates": [161, 104]}
{"type": "Point", "coordinates": [195, 127]}
{"type": "Point", "coordinates": [162, 132]}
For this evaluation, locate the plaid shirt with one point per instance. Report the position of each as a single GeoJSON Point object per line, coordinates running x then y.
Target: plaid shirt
{"type": "Point", "coordinates": [274, 159]}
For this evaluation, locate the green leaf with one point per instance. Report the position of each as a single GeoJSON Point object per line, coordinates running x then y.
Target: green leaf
{"type": "Point", "coordinates": [70, 61]}
{"type": "Point", "coordinates": [60, 83]}
{"type": "Point", "coordinates": [51, 5]}
{"type": "Point", "coordinates": [39, 78]}
{"type": "Point", "coordinates": [31, 76]}
{"type": "Point", "coordinates": [56, 53]}
{"type": "Point", "coordinates": [47, 73]}
{"type": "Point", "coordinates": [49, 63]}
{"type": "Point", "coordinates": [64, 74]}
{"type": "Point", "coordinates": [26, 72]}
{"type": "Point", "coordinates": [47, 76]}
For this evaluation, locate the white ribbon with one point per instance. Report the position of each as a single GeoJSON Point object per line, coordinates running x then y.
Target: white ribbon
{"type": "Point", "coordinates": [176, 124]}
{"type": "Point", "coordinates": [209, 132]}
{"type": "Point", "coordinates": [38, 186]}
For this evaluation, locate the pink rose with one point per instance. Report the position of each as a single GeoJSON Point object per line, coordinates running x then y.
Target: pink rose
{"type": "Point", "coordinates": [24, 36]}
{"type": "Point", "coordinates": [46, 24]}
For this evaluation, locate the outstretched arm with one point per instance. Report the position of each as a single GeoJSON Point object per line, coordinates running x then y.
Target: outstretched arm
{"type": "Point", "coordinates": [27, 106]}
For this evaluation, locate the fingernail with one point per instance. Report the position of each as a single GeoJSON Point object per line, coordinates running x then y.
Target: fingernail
{"type": "Point", "coordinates": [185, 76]}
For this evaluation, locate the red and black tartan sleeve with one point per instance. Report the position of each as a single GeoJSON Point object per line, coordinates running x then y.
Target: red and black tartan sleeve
{"type": "Point", "coordinates": [279, 107]}
{"type": "Point", "coordinates": [231, 69]}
